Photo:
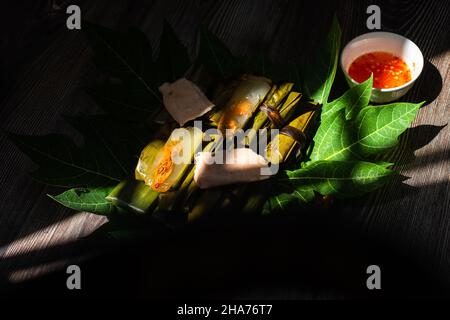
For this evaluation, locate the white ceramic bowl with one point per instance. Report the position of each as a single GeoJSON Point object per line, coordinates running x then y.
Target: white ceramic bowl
{"type": "Point", "coordinates": [388, 42]}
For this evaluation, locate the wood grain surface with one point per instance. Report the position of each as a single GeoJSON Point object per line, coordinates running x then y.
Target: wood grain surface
{"type": "Point", "coordinates": [43, 67]}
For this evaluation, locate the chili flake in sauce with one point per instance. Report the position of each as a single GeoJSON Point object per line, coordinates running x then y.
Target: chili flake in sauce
{"type": "Point", "coordinates": [389, 71]}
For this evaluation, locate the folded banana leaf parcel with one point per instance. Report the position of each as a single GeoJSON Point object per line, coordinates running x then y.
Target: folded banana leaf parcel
{"type": "Point", "coordinates": [188, 139]}
{"type": "Point", "coordinates": [222, 145]}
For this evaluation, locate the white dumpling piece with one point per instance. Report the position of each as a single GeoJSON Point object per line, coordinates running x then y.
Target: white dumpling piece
{"type": "Point", "coordinates": [241, 165]}
{"type": "Point", "coordinates": [184, 100]}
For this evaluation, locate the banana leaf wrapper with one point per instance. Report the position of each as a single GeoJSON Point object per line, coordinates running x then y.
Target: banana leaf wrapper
{"type": "Point", "coordinates": [210, 198]}
{"type": "Point", "coordinates": [269, 109]}
{"type": "Point", "coordinates": [288, 107]}
{"type": "Point", "coordinates": [174, 159]}
{"type": "Point", "coordinates": [134, 196]}
{"type": "Point", "coordinates": [178, 199]}
{"type": "Point", "coordinates": [279, 149]}
{"type": "Point", "coordinates": [283, 143]}
{"type": "Point", "coordinates": [245, 100]}
{"type": "Point", "coordinates": [146, 159]}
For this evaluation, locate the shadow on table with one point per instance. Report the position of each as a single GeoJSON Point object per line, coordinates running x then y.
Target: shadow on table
{"type": "Point", "coordinates": [23, 270]}
{"type": "Point", "coordinates": [307, 256]}
{"type": "Point", "coordinates": [418, 137]}
{"type": "Point", "coordinates": [427, 87]}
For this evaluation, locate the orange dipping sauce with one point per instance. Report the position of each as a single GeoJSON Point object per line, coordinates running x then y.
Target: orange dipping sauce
{"type": "Point", "coordinates": [389, 71]}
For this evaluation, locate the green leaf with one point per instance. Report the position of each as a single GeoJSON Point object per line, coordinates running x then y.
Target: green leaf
{"type": "Point", "coordinates": [127, 57]}
{"type": "Point", "coordinates": [340, 178]}
{"type": "Point", "coordinates": [108, 155]}
{"type": "Point", "coordinates": [375, 130]}
{"type": "Point", "coordinates": [355, 99]}
{"type": "Point", "coordinates": [61, 163]}
{"type": "Point", "coordinates": [124, 102]}
{"type": "Point", "coordinates": [215, 55]}
{"type": "Point", "coordinates": [86, 199]}
{"type": "Point", "coordinates": [284, 202]}
{"type": "Point", "coordinates": [319, 76]}
{"type": "Point", "coordinates": [173, 60]}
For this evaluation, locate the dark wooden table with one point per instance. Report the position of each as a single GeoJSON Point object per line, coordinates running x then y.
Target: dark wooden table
{"type": "Point", "coordinates": [43, 67]}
